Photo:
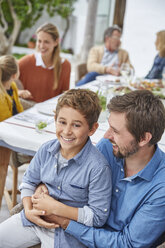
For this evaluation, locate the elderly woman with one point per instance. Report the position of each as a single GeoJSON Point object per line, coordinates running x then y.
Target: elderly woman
{"type": "Point", "coordinates": [159, 61]}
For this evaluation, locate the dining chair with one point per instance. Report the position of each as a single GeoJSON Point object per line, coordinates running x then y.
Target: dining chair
{"type": "Point", "coordinates": [16, 160]}
{"type": "Point", "coordinates": [80, 71]}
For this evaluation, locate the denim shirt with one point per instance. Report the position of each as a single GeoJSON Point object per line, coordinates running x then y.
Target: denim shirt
{"type": "Point", "coordinates": [157, 68]}
{"type": "Point", "coordinates": [137, 216]}
{"type": "Point", "coordinates": [85, 180]}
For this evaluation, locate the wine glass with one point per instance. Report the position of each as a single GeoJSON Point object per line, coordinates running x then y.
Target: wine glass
{"type": "Point", "coordinates": [163, 76]}
{"type": "Point", "coordinates": [126, 72]}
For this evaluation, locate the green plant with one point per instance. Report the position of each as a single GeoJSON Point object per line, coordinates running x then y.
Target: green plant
{"type": "Point", "coordinates": [33, 38]}
{"type": "Point", "coordinates": [17, 15]}
{"type": "Point", "coordinates": [18, 55]}
{"type": "Point", "coordinates": [103, 101]}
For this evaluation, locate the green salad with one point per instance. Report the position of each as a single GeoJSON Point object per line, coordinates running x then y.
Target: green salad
{"type": "Point", "coordinates": [40, 125]}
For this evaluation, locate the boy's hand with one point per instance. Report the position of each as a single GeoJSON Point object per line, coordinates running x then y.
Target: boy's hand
{"type": "Point", "coordinates": [36, 216]}
{"type": "Point", "coordinates": [43, 201]}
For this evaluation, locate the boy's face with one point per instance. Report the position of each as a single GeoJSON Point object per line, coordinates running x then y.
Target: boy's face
{"type": "Point", "coordinates": [72, 131]}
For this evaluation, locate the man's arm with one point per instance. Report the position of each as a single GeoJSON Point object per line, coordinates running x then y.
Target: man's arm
{"type": "Point", "coordinates": [94, 62]}
{"type": "Point", "coordinates": [146, 226]}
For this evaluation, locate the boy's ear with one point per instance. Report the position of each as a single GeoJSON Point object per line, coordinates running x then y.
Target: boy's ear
{"type": "Point", "coordinates": [93, 129]}
{"type": "Point", "coordinates": [146, 139]}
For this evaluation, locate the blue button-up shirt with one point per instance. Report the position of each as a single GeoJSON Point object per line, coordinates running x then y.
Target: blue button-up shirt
{"type": "Point", "coordinates": [85, 180]}
{"type": "Point", "coordinates": [137, 216]}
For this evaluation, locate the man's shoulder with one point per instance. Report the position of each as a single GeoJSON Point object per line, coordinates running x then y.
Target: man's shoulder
{"type": "Point", "coordinates": [97, 48]}
{"type": "Point", "coordinates": [123, 51]}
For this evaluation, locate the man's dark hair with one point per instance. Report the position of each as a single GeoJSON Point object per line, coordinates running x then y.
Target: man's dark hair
{"type": "Point", "coordinates": [108, 32]}
{"type": "Point", "coordinates": [144, 113]}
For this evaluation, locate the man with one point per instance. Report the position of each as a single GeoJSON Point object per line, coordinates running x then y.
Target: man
{"type": "Point", "coordinates": [107, 58]}
{"type": "Point", "coordinates": [137, 217]}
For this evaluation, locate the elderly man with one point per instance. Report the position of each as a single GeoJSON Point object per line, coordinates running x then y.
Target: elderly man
{"type": "Point", "coordinates": [107, 58]}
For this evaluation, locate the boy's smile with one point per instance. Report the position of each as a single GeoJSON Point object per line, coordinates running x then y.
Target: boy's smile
{"type": "Point", "coordinates": [72, 131]}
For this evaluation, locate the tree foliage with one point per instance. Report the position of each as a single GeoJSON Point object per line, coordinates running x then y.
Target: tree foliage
{"type": "Point", "coordinates": [17, 15]}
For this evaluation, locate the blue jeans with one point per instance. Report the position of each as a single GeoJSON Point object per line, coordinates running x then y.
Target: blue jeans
{"type": "Point", "coordinates": [88, 78]}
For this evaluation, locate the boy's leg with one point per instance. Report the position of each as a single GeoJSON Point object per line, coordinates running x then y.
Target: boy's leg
{"type": "Point", "coordinates": [14, 235]}
{"type": "Point", "coordinates": [46, 236]}
{"type": "Point", "coordinates": [88, 78]}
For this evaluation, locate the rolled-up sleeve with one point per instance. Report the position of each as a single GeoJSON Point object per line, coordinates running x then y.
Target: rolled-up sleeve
{"type": "Point", "coordinates": [99, 198]}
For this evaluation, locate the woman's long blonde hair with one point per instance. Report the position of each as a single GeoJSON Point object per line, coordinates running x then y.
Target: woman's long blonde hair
{"type": "Point", "coordinates": [8, 67]}
{"type": "Point", "coordinates": [52, 30]}
{"type": "Point", "coordinates": [161, 43]}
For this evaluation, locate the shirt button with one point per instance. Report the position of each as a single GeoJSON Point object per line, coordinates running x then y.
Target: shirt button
{"type": "Point", "coordinates": [122, 169]}
{"type": "Point", "coordinates": [105, 210]}
{"type": "Point", "coordinates": [59, 187]}
{"type": "Point", "coordinates": [55, 166]}
{"type": "Point", "coordinates": [117, 190]}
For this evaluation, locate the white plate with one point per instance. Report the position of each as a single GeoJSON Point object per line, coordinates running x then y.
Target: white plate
{"type": "Point", "coordinates": [46, 108]}
{"type": "Point", "coordinates": [110, 79]}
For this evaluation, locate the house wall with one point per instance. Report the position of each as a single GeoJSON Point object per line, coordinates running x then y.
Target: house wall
{"type": "Point", "coordinates": [143, 19]}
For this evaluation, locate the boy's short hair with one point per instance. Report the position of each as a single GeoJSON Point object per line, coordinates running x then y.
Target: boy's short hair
{"type": "Point", "coordinates": [144, 113]}
{"type": "Point", "coordinates": [85, 101]}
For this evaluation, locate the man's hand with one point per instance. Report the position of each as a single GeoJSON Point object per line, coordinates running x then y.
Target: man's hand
{"type": "Point", "coordinates": [112, 71]}
{"type": "Point", "coordinates": [41, 189]}
{"type": "Point", "coordinates": [61, 221]}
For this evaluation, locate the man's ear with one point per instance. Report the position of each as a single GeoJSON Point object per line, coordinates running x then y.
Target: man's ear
{"type": "Point", "coordinates": [146, 139]}
{"type": "Point", "coordinates": [93, 129]}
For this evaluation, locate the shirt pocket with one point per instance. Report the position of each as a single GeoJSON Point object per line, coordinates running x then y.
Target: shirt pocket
{"type": "Point", "coordinates": [76, 192]}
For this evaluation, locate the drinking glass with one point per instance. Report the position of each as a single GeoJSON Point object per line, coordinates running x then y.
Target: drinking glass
{"type": "Point", "coordinates": [126, 72]}
{"type": "Point", "coordinates": [163, 76]}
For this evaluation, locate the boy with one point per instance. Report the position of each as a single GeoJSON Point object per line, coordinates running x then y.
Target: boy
{"type": "Point", "coordinates": [76, 174]}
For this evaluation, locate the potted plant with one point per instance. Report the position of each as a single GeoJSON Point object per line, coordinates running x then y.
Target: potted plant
{"type": "Point", "coordinates": [32, 41]}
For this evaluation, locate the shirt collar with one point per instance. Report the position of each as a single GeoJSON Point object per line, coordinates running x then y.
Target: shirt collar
{"type": "Point", "coordinates": [107, 51]}
{"type": "Point", "coordinates": [39, 61]}
{"type": "Point", "coordinates": [149, 170]}
{"type": "Point", "coordinates": [78, 158]}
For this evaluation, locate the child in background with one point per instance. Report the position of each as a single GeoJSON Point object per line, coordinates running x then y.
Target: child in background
{"type": "Point", "coordinates": [9, 100]}
{"type": "Point", "coordinates": [76, 174]}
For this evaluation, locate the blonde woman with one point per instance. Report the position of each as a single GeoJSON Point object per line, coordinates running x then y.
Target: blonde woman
{"type": "Point", "coordinates": [9, 100]}
{"type": "Point", "coordinates": [45, 74]}
{"type": "Point", "coordinates": [159, 61]}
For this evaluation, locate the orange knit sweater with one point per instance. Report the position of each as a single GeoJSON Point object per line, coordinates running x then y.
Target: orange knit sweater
{"type": "Point", "coordinates": [39, 81]}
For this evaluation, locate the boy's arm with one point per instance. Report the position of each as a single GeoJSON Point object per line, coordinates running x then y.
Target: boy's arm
{"type": "Point", "coordinates": [53, 207]}
{"type": "Point", "coordinates": [99, 198]}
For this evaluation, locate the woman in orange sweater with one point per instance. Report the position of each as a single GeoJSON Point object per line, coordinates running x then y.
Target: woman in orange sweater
{"type": "Point", "coordinates": [44, 73]}
{"type": "Point", "coordinates": [9, 100]}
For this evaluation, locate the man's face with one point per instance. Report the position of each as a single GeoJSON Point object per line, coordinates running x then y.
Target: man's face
{"type": "Point", "coordinates": [124, 144]}
{"type": "Point", "coordinates": [112, 43]}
